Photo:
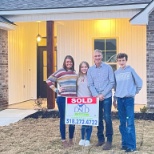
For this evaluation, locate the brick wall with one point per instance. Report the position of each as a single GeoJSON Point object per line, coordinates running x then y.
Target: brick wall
{"type": "Point", "coordinates": [150, 62]}
{"type": "Point", "coordinates": [3, 69]}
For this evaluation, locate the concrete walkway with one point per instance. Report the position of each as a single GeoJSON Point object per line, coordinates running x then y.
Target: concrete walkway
{"type": "Point", "coordinates": [9, 116]}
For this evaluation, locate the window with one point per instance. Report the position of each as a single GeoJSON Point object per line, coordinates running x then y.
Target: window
{"type": "Point", "coordinates": [44, 65]}
{"type": "Point", "coordinates": [109, 50]}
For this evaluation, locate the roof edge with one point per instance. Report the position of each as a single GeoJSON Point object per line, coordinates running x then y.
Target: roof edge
{"type": "Point", "coordinates": [7, 21]}
{"type": "Point", "coordinates": [70, 10]}
{"type": "Point", "coordinates": [6, 26]}
{"type": "Point", "coordinates": [142, 17]}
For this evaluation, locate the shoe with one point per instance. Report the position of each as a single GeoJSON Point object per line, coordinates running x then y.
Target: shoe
{"type": "Point", "coordinates": [107, 146]}
{"type": "Point", "coordinates": [100, 143]}
{"type": "Point", "coordinates": [87, 143]}
{"type": "Point", "coordinates": [129, 150]}
{"type": "Point", "coordinates": [65, 144]}
{"type": "Point", "coordinates": [123, 148]}
{"type": "Point", "coordinates": [70, 143]}
{"type": "Point", "coordinates": [82, 142]}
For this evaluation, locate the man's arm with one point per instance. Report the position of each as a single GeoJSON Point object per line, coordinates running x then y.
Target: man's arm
{"type": "Point", "coordinates": [111, 82]}
{"type": "Point", "coordinates": [91, 84]}
{"type": "Point", "coordinates": [114, 90]}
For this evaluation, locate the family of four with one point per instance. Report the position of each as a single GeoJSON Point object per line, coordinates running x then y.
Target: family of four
{"type": "Point", "coordinates": [98, 81]}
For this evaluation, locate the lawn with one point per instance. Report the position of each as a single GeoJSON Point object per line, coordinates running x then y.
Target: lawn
{"type": "Point", "coordinates": [41, 136]}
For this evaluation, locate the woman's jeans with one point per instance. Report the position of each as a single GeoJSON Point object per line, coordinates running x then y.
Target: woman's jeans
{"type": "Point", "coordinates": [105, 112]}
{"type": "Point", "coordinates": [61, 107]}
{"type": "Point", "coordinates": [127, 126]}
{"type": "Point", "coordinates": [86, 132]}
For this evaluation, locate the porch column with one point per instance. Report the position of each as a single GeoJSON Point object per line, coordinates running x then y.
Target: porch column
{"type": "Point", "coordinates": [50, 62]}
{"type": "Point", "coordinates": [150, 63]}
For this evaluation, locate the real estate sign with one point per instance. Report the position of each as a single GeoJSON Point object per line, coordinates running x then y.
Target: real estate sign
{"type": "Point", "coordinates": [82, 111]}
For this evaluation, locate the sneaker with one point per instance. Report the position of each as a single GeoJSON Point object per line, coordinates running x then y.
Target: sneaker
{"type": "Point", "coordinates": [100, 143]}
{"type": "Point", "coordinates": [65, 144]}
{"type": "Point", "coordinates": [107, 146]}
{"type": "Point", "coordinates": [129, 150]}
{"type": "Point", "coordinates": [87, 143]}
{"type": "Point", "coordinates": [70, 143]}
{"type": "Point", "coordinates": [123, 148]}
{"type": "Point", "coordinates": [82, 142]}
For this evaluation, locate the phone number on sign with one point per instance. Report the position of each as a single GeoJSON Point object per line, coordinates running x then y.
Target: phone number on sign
{"type": "Point", "coordinates": [82, 122]}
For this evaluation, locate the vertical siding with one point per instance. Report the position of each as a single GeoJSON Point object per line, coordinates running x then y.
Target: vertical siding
{"type": "Point", "coordinates": [76, 38]}
{"type": "Point", "coordinates": [22, 61]}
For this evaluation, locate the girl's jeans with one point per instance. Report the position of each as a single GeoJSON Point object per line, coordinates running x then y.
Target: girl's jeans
{"type": "Point", "coordinates": [86, 132]}
{"type": "Point", "coordinates": [61, 107]}
{"type": "Point", "coordinates": [126, 116]}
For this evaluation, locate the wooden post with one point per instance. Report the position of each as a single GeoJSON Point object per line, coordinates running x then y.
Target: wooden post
{"type": "Point", "coordinates": [50, 62]}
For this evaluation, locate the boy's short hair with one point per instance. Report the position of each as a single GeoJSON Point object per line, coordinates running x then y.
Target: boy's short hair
{"type": "Point", "coordinates": [122, 55]}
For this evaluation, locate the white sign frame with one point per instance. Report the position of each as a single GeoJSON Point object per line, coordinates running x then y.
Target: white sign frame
{"type": "Point", "coordinates": [82, 111]}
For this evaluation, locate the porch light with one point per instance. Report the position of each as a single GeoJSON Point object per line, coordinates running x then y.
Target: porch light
{"type": "Point", "coordinates": [38, 38]}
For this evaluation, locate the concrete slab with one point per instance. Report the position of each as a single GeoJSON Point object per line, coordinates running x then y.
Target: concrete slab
{"type": "Point", "coordinates": [9, 116]}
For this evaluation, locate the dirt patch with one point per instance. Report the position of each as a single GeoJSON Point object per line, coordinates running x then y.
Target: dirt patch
{"type": "Point", "coordinates": [41, 136]}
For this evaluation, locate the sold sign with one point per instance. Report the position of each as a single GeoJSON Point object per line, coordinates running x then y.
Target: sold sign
{"type": "Point", "coordinates": [81, 100]}
{"type": "Point", "coordinates": [82, 111]}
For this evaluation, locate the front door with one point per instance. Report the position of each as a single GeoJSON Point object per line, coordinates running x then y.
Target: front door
{"type": "Point", "coordinates": [41, 72]}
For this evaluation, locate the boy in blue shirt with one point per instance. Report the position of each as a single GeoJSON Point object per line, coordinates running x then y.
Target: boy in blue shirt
{"type": "Point", "coordinates": [127, 85]}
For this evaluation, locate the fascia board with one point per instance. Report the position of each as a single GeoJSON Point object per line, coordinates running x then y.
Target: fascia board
{"type": "Point", "coordinates": [73, 10]}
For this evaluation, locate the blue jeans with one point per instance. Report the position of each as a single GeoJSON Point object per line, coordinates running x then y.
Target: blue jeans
{"type": "Point", "coordinates": [105, 112]}
{"type": "Point", "coordinates": [127, 126]}
{"type": "Point", "coordinates": [86, 132]}
{"type": "Point", "coordinates": [61, 107]}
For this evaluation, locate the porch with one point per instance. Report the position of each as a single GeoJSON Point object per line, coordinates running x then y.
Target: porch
{"type": "Point", "coordinates": [31, 104]}
{"type": "Point", "coordinates": [76, 38]}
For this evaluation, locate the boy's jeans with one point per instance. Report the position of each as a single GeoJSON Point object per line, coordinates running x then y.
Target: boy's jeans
{"type": "Point", "coordinates": [61, 107]}
{"type": "Point", "coordinates": [86, 132]}
{"type": "Point", "coordinates": [126, 116]}
{"type": "Point", "coordinates": [105, 112]}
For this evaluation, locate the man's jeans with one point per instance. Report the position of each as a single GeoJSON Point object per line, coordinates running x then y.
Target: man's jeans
{"type": "Point", "coordinates": [105, 112]}
{"type": "Point", "coordinates": [86, 132]}
{"type": "Point", "coordinates": [61, 107]}
{"type": "Point", "coordinates": [126, 116]}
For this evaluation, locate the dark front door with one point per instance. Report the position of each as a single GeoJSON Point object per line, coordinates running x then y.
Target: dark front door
{"type": "Point", "coordinates": [41, 71]}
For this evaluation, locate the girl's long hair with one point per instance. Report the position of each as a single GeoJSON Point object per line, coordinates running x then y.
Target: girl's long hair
{"type": "Point", "coordinates": [80, 72]}
{"type": "Point", "coordinates": [64, 63]}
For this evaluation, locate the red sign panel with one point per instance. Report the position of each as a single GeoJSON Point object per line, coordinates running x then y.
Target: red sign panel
{"type": "Point", "coordinates": [81, 100]}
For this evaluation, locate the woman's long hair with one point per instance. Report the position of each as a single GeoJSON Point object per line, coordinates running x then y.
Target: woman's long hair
{"type": "Point", "coordinates": [64, 63]}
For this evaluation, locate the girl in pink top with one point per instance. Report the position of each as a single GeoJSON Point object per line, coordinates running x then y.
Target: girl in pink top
{"type": "Point", "coordinates": [83, 91]}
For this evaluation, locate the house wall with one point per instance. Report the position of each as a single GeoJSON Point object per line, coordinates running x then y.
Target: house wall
{"type": "Point", "coordinates": [22, 55]}
{"type": "Point", "coordinates": [3, 69]}
{"type": "Point", "coordinates": [76, 38]}
{"type": "Point", "coordinates": [150, 62]}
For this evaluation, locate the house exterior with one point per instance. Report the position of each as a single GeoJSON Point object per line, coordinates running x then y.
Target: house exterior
{"type": "Point", "coordinates": [75, 28]}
